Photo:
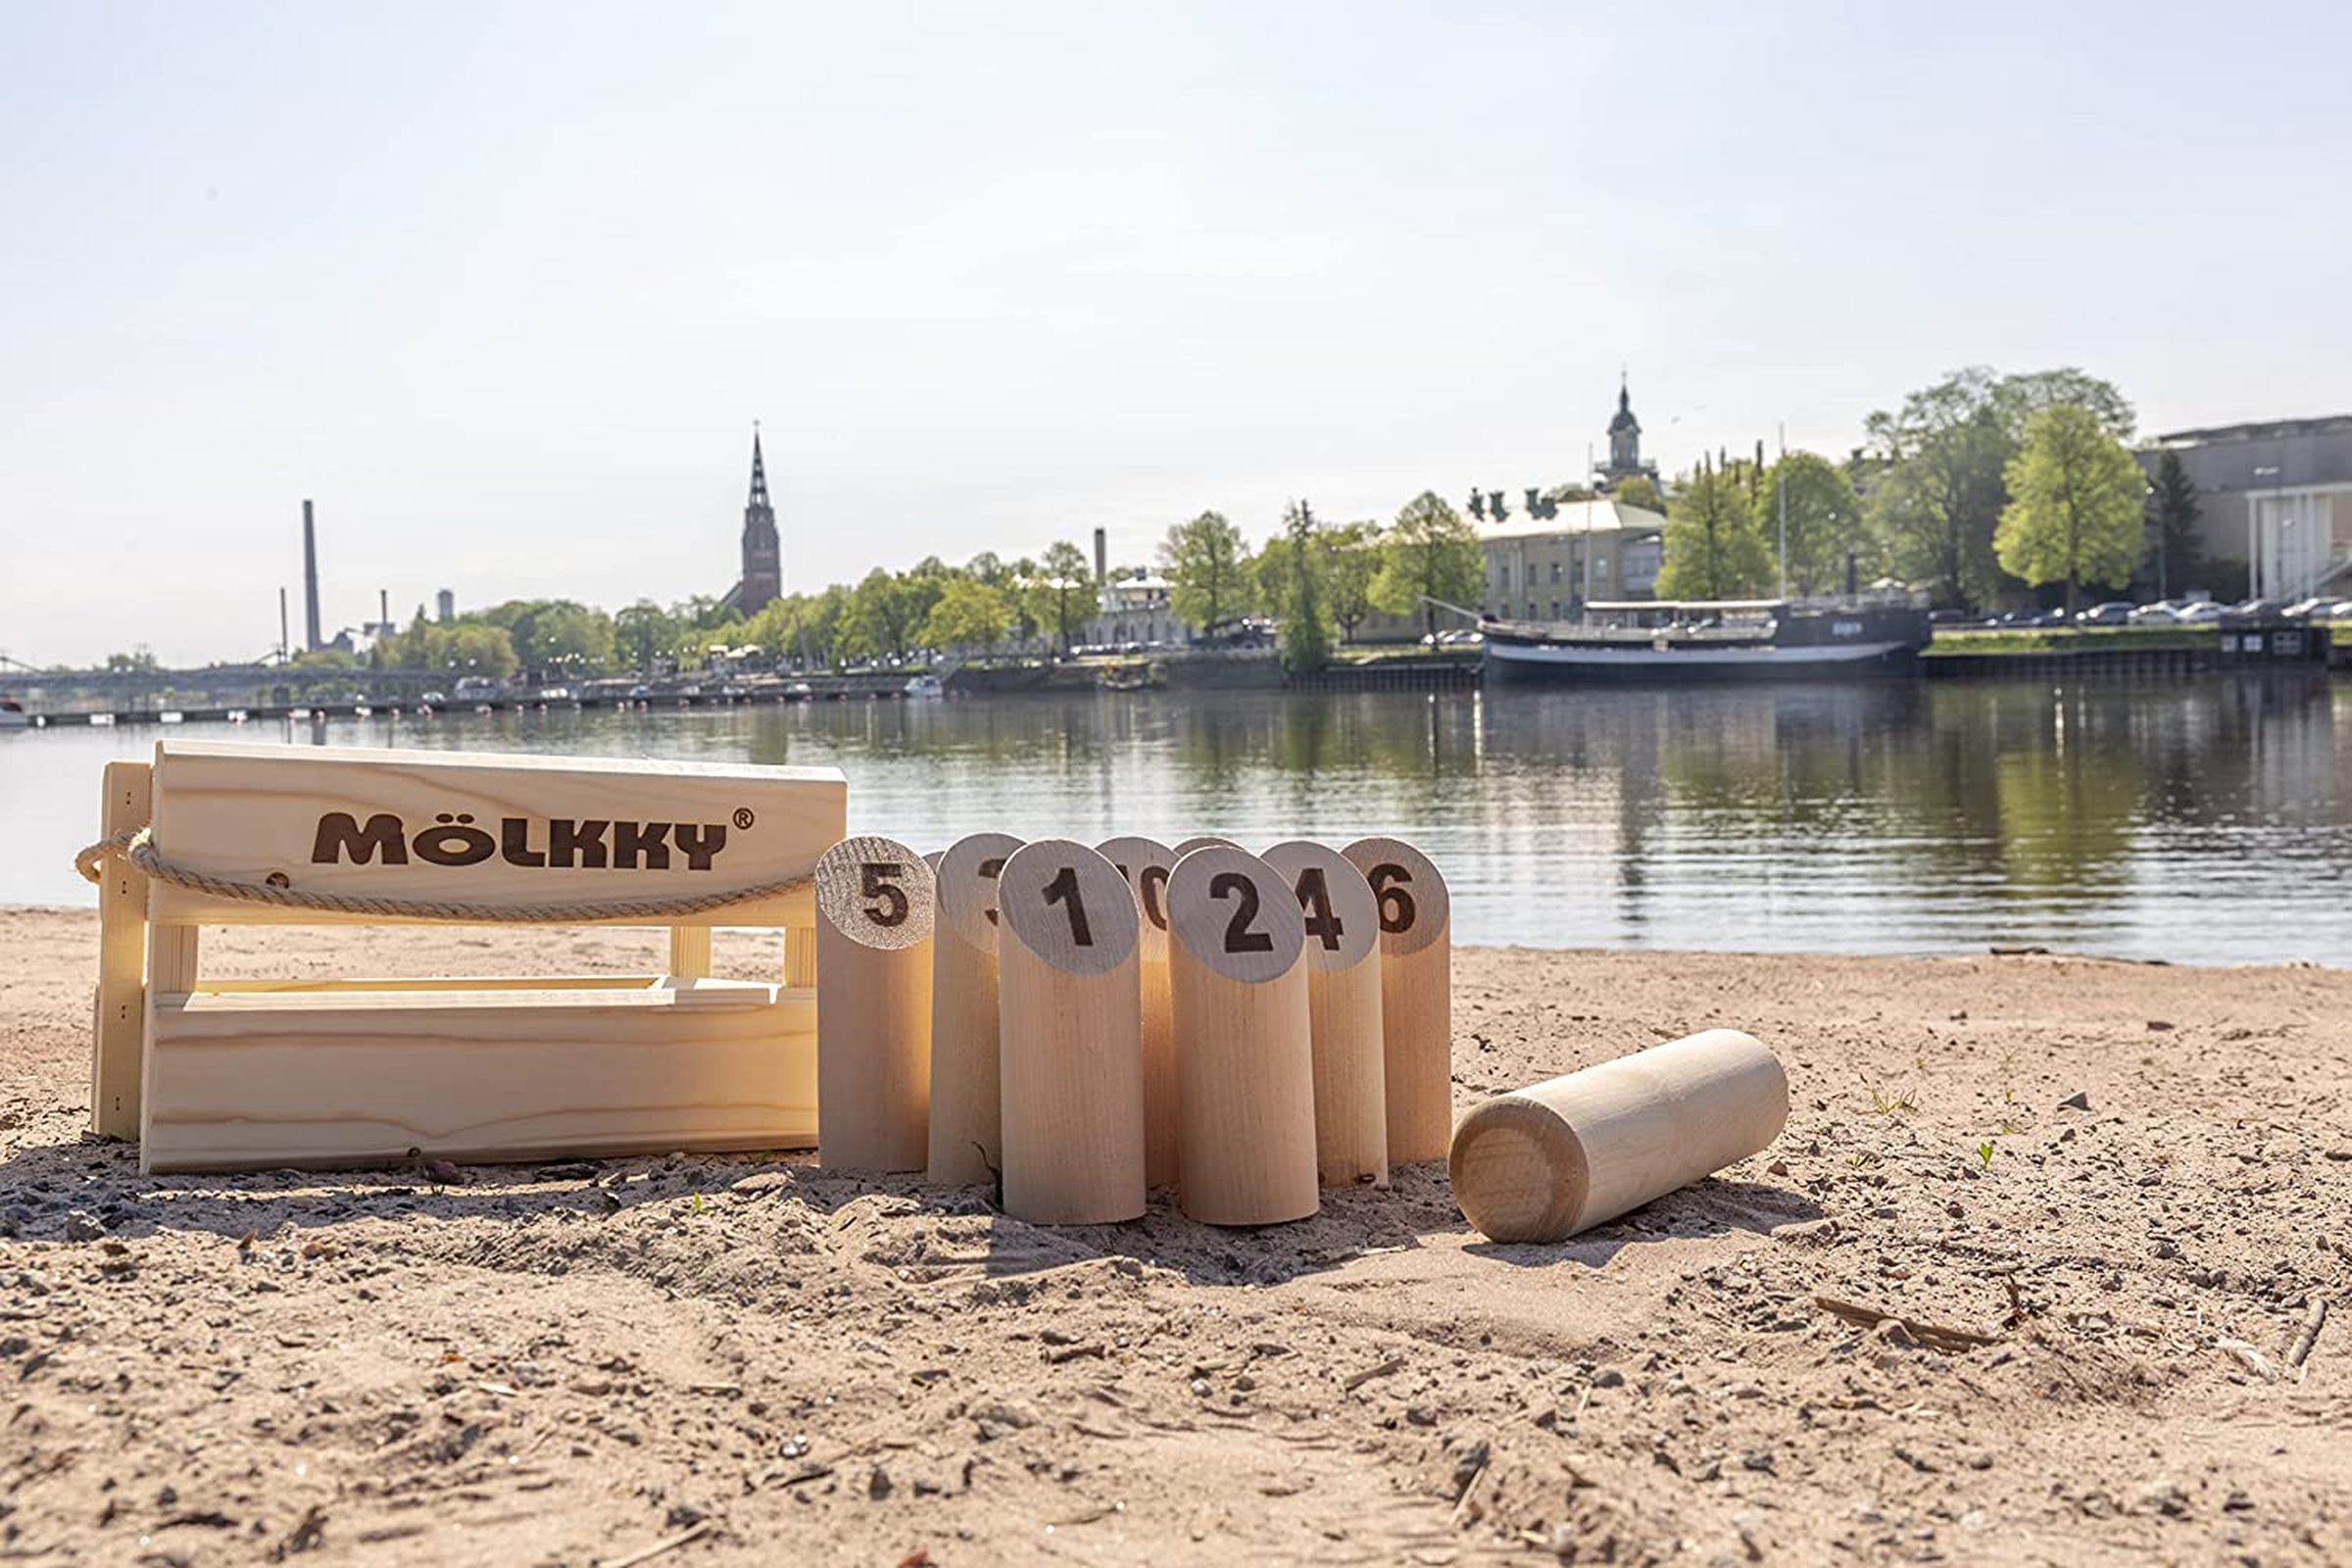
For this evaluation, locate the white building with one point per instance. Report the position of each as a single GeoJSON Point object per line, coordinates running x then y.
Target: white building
{"type": "Point", "coordinates": [2276, 496]}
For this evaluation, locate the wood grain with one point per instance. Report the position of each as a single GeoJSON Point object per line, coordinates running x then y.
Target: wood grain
{"type": "Point", "coordinates": [966, 1143]}
{"type": "Point", "coordinates": [1341, 921]}
{"type": "Point", "coordinates": [251, 811]}
{"type": "Point", "coordinates": [118, 1010]}
{"type": "Point", "coordinates": [1244, 1057]}
{"type": "Point", "coordinates": [1072, 1033]}
{"type": "Point", "coordinates": [1416, 995]}
{"type": "Point", "coordinates": [1546, 1161]}
{"type": "Point", "coordinates": [1204, 841]}
{"type": "Point", "coordinates": [1145, 864]}
{"type": "Point", "coordinates": [260, 1079]}
{"type": "Point", "coordinates": [875, 909]}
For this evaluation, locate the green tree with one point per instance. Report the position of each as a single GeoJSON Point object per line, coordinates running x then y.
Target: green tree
{"type": "Point", "coordinates": [642, 633]}
{"type": "Point", "coordinates": [1713, 549]}
{"type": "Point", "coordinates": [1940, 490]}
{"type": "Point", "coordinates": [1063, 592]}
{"type": "Point", "coordinates": [1638, 491]}
{"type": "Point", "coordinates": [1431, 553]}
{"type": "Point", "coordinates": [882, 616]}
{"type": "Point", "coordinates": [1306, 633]}
{"type": "Point", "coordinates": [1209, 570]}
{"type": "Point", "coordinates": [1824, 514]}
{"type": "Point", "coordinates": [1350, 560]}
{"type": "Point", "coordinates": [2174, 554]}
{"type": "Point", "coordinates": [969, 615]}
{"type": "Point", "coordinates": [2020, 397]}
{"type": "Point", "coordinates": [2076, 504]}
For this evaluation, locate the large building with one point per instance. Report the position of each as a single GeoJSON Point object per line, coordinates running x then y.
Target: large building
{"type": "Point", "coordinates": [1548, 568]}
{"type": "Point", "coordinates": [2277, 497]}
{"type": "Point", "coordinates": [762, 579]}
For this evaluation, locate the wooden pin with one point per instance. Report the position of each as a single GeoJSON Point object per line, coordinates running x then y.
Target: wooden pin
{"type": "Point", "coordinates": [1145, 864]}
{"type": "Point", "coordinates": [874, 915]}
{"type": "Point", "coordinates": [118, 1040]}
{"type": "Point", "coordinates": [1244, 1058]}
{"type": "Point", "coordinates": [1341, 921]}
{"type": "Point", "coordinates": [1416, 995]}
{"type": "Point", "coordinates": [964, 1145]}
{"type": "Point", "coordinates": [1550, 1160]}
{"type": "Point", "coordinates": [1072, 1025]}
{"type": "Point", "coordinates": [1206, 841]}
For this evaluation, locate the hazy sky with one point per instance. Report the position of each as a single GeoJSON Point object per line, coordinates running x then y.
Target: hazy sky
{"type": "Point", "coordinates": [502, 287]}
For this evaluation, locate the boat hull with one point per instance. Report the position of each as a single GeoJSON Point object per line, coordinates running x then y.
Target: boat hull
{"type": "Point", "coordinates": [1569, 664]}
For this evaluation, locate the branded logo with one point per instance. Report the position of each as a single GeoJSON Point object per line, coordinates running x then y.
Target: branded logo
{"type": "Point", "coordinates": [561, 842]}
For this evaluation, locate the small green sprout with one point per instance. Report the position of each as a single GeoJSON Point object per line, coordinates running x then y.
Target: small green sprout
{"type": "Point", "coordinates": [1985, 1153]}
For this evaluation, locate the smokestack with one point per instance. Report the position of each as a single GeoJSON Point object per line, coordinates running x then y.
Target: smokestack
{"type": "Point", "coordinates": [383, 607]}
{"type": "Point", "coordinates": [283, 650]}
{"type": "Point", "coordinates": [309, 578]}
{"type": "Point", "coordinates": [1102, 557]}
{"type": "Point", "coordinates": [445, 605]}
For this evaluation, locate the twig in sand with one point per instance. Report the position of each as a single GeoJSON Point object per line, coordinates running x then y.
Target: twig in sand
{"type": "Point", "coordinates": [2299, 1350]}
{"type": "Point", "coordinates": [2254, 1360]}
{"type": "Point", "coordinates": [1357, 1380]}
{"type": "Point", "coordinates": [692, 1532]}
{"type": "Point", "coordinates": [1934, 1336]}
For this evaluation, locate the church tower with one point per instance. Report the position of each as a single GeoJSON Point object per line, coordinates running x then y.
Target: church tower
{"type": "Point", "coordinates": [1625, 444]}
{"type": "Point", "coordinates": [762, 576]}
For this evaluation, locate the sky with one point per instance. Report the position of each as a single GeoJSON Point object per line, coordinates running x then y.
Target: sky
{"type": "Point", "coordinates": [501, 288]}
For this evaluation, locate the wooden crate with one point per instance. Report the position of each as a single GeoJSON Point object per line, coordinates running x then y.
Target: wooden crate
{"type": "Point", "coordinates": [247, 1074]}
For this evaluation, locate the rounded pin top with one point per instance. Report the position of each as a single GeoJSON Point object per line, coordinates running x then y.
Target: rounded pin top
{"type": "Point", "coordinates": [1415, 906]}
{"type": "Point", "coordinates": [1235, 913]}
{"type": "Point", "coordinates": [1335, 905]}
{"type": "Point", "coordinates": [1069, 906]}
{"type": "Point", "coordinates": [1203, 842]}
{"type": "Point", "coordinates": [877, 892]}
{"type": "Point", "coordinates": [1145, 864]}
{"type": "Point", "coordinates": [966, 872]}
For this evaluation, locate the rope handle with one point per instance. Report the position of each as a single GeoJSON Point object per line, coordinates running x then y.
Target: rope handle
{"type": "Point", "coordinates": [137, 846]}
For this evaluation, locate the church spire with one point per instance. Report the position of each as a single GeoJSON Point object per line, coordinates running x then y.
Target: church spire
{"type": "Point", "coordinates": [759, 470]}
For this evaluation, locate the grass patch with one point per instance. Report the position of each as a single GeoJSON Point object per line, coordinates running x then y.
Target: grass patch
{"type": "Point", "coordinates": [2066, 639]}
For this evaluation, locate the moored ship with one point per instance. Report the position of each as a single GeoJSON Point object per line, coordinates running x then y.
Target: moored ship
{"type": "Point", "coordinates": [1713, 640]}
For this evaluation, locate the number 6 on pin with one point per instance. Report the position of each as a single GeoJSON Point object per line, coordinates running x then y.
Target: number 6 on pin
{"type": "Point", "coordinates": [875, 901]}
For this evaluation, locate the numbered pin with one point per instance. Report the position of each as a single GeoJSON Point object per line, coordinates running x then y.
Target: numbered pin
{"type": "Point", "coordinates": [1207, 840]}
{"type": "Point", "coordinates": [1341, 920]}
{"type": "Point", "coordinates": [1145, 864]}
{"type": "Point", "coordinates": [1070, 1024]}
{"type": "Point", "coordinates": [964, 1143]}
{"type": "Point", "coordinates": [1245, 1059]}
{"type": "Point", "coordinates": [1416, 995]}
{"type": "Point", "coordinates": [874, 917]}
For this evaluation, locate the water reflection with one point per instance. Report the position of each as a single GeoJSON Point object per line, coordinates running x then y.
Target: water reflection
{"type": "Point", "coordinates": [2197, 824]}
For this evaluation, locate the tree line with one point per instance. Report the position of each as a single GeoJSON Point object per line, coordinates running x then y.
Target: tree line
{"type": "Point", "coordinates": [1976, 488]}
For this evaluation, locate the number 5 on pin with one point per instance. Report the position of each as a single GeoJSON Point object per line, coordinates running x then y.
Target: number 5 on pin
{"type": "Point", "coordinates": [875, 901]}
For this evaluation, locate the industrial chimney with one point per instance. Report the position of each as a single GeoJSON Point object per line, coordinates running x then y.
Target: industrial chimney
{"type": "Point", "coordinates": [1102, 557]}
{"type": "Point", "coordinates": [310, 579]}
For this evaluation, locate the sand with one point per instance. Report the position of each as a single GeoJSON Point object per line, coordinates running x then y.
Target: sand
{"type": "Point", "coordinates": [763, 1362]}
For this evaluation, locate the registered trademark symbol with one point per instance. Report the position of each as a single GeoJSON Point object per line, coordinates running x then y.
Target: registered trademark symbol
{"type": "Point", "coordinates": [742, 816]}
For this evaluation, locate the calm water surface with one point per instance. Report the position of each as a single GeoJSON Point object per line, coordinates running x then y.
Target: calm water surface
{"type": "Point", "coordinates": [2206, 824]}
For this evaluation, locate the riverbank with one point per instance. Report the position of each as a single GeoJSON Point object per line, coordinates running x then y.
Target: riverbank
{"type": "Point", "coordinates": [573, 1364]}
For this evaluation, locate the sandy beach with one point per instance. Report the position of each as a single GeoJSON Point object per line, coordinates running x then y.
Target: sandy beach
{"type": "Point", "coordinates": [746, 1359]}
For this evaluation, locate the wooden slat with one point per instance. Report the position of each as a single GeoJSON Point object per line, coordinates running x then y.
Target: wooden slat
{"type": "Point", "coordinates": [255, 1080]}
{"type": "Point", "coordinates": [119, 1013]}
{"type": "Point", "coordinates": [250, 811]}
{"type": "Point", "coordinates": [690, 951]}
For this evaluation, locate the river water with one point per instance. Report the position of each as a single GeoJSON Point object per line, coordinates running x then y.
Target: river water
{"type": "Point", "coordinates": [2205, 822]}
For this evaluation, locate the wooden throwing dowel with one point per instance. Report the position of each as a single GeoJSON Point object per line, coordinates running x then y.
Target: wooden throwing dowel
{"type": "Point", "coordinates": [1071, 1026]}
{"type": "Point", "coordinates": [874, 912]}
{"type": "Point", "coordinates": [1546, 1161]}
{"type": "Point", "coordinates": [1341, 922]}
{"type": "Point", "coordinates": [964, 1144]}
{"type": "Point", "coordinates": [117, 1041]}
{"type": "Point", "coordinates": [1244, 1061]}
{"type": "Point", "coordinates": [1145, 864]}
{"type": "Point", "coordinates": [1416, 995]}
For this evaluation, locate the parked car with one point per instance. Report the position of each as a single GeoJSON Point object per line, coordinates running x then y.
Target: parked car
{"type": "Point", "coordinates": [434, 698]}
{"type": "Point", "coordinates": [2162, 613]}
{"type": "Point", "coordinates": [2115, 612]}
{"type": "Point", "coordinates": [2204, 613]}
